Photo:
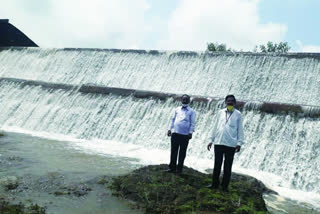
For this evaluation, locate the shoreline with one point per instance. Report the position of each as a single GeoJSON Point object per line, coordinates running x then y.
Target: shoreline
{"type": "Point", "coordinates": [62, 161]}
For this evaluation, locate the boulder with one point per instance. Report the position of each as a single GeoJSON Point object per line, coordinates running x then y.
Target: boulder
{"type": "Point", "coordinates": [9, 182]}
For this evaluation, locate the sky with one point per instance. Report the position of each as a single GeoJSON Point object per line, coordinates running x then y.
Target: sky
{"type": "Point", "coordinates": [166, 24]}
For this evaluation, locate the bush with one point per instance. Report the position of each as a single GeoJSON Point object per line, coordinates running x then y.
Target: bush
{"type": "Point", "coordinates": [217, 47]}
{"type": "Point", "coordinates": [271, 47]}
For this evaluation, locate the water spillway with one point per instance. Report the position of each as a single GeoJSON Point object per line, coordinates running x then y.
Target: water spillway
{"type": "Point", "coordinates": [269, 107]}
{"type": "Point", "coordinates": [128, 96]}
{"type": "Point", "coordinates": [290, 78]}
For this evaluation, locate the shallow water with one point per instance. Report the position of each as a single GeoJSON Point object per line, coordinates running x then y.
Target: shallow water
{"type": "Point", "coordinates": [41, 164]}
{"type": "Point", "coordinates": [38, 160]}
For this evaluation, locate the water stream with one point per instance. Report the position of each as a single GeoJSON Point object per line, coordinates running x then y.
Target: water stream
{"type": "Point", "coordinates": [260, 77]}
{"type": "Point", "coordinates": [281, 149]}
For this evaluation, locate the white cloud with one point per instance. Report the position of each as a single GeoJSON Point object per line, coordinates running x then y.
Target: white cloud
{"type": "Point", "coordinates": [233, 22]}
{"type": "Point", "coordinates": [80, 23]}
{"type": "Point", "coordinates": [124, 24]}
{"type": "Point", "coordinates": [308, 48]}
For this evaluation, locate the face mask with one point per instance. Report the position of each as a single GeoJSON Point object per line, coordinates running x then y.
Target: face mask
{"type": "Point", "coordinates": [230, 108]}
{"type": "Point", "coordinates": [185, 105]}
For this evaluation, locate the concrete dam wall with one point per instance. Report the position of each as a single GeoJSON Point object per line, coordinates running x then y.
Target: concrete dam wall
{"type": "Point", "coordinates": [102, 97]}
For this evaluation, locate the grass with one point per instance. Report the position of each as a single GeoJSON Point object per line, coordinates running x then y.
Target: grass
{"type": "Point", "coordinates": [7, 208]}
{"type": "Point", "coordinates": [156, 191]}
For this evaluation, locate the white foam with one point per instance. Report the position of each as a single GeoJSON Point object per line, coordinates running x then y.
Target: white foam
{"type": "Point", "coordinates": [149, 156]}
{"type": "Point", "coordinates": [282, 187]}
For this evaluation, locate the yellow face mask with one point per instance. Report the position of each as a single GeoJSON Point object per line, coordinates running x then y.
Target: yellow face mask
{"type": "Point", "coordinates": [230, 108]}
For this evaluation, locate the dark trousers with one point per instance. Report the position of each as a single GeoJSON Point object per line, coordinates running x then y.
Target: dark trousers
{"type": "Point", "coordinates": [228, 153]}
{"type": "Point", "coordinates": [178, 143]}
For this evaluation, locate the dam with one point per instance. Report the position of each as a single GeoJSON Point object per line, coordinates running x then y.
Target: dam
{"type": "Point", "coordinates": [127, 96]}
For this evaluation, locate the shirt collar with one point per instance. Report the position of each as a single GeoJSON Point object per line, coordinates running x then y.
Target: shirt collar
{"type": "Point", "coordinates": [226, 110]}
{"type": "Point", "coordinates": [187, 108]}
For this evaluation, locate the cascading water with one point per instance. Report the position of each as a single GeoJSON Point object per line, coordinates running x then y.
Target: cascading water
{"type": "Point", "coordinates": [288, 78]}
{"type": "Point", "coordinates": [285, 145]}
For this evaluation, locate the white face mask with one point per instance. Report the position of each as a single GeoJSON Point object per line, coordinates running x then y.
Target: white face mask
{"type": "Point", "coordinates": [185, 105]}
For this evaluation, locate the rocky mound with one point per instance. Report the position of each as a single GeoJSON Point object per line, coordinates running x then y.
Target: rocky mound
{"type": "Point", "coordinates": [156, 191]}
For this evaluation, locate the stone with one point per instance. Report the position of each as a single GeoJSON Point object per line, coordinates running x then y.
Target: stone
{"type": "Point", "coordinates": [9, 182]}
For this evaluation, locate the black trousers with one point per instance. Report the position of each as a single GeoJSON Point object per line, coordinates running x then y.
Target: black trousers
{"type": "Point", "coordinates": [228, 153]}
{"type": "Point", "coordinates": [178, 143]}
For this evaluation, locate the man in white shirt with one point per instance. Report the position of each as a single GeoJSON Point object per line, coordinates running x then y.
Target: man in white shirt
{"type": "Point", "coordinates": [227, 136]}
{"type": "Point", "coordinates": [181, 128]}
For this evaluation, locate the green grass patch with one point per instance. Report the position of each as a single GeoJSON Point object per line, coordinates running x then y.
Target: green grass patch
{"type": "Point", "coordinates": [7, 208]}
{"type": "Point", "coordinates": [157, 191]}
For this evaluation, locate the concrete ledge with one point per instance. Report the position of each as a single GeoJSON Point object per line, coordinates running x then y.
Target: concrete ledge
{"type": "Point", "coordinates": [192, 54]}
{"type": "Point", "coordinates": [268, 107]}
{"type": "Point", "coordinates": [22, 83]}
{"type": "Point", "coordinates": [106, 90]}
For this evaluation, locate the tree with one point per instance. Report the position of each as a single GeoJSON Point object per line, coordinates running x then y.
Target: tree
{"type": "Point", "coordinates": [217, 47]}
{"type": "Point", "coordinates": [271, 47]}
{"type": "Point", "coordinates": [283, 47]}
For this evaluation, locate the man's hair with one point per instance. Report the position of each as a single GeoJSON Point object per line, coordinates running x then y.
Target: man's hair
{"type": "Point", "coordinates": [232, 96]}
{"type": "Point", "coordinates": [186, 95]}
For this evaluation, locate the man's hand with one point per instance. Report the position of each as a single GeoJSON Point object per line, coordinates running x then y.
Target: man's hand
{"type": "Point", "coordinates": [209, 146]}
{"type": "Point", "coordinates": [238, 148]}
{"type": "Point", "coordinates": [190, 136]}
{"type": "Point", "coordinates": [169, 133]}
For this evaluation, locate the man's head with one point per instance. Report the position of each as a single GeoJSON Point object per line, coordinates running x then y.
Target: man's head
{"type": "Point", "coordinates": [230, 101]}
{"type": "Point", "coordinates": [185, 99]}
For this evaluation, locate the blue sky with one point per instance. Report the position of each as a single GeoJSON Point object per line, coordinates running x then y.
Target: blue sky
{"type": "Point", "coordinates": [301, 17]}
{"type": "Point", "coordinates": [166, 24]}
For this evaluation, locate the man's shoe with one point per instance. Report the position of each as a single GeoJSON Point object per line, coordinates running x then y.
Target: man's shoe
{"type": "Point", "coordinates": [171, 171]}
{"type": "Point", "coordinates": [225, 189]}
{"type": "Point", "coordinates": [212, 186]}
{"type": "Point", "coordinates": [179, 172]}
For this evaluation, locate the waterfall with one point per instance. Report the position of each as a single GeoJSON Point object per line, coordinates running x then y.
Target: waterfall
{"type": "Point", "coordinates": [282, 144]}
{"type": "Point", "coordinates": [260, 77]}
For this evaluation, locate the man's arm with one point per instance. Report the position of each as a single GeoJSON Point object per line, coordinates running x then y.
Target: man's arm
{"type": "Point", "coordinates": [214, 131]}
{"type": "Point", "coordinates": [192, 123]}
{"type": "Point", "coordinates": [240, 134]}
{"type": "Point", "coordinates": [173, 118]}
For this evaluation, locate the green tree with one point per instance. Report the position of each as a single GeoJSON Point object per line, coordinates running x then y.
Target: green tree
{"type": "Point", "coordinates": [217, 47]}
{"type": "Point", "coordinates": [271, 47]}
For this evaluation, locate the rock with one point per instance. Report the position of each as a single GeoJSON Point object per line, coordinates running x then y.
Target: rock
{"type": "Point", "coordinates": [79, 189]}
{"type": "Point", "coordinates": [53, 183]}
{"type": "Point", "coordinates": [9, 182]}
{"type": "Point", "coordinates": [73, 189]}
{"type": "Point", "coordinates": [58, 193]}
{"type": "Point", "coordinates": [157, 191]}
{"type": "Point", "coordinates": [14, 158]}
